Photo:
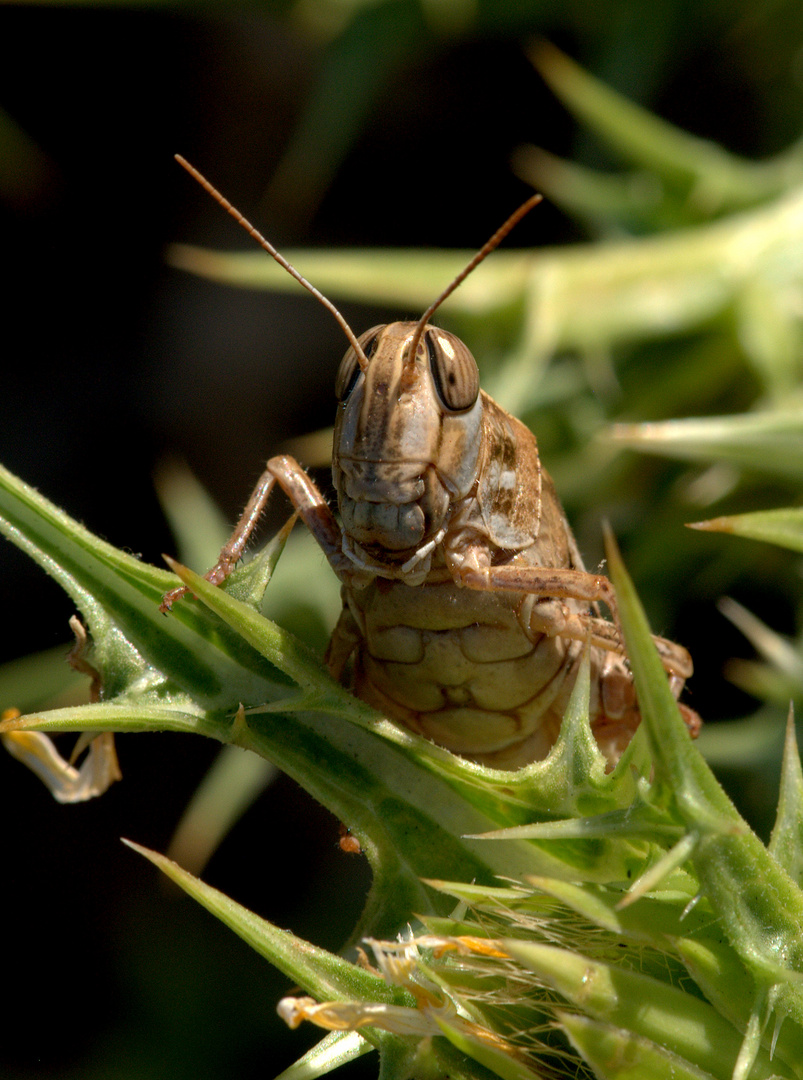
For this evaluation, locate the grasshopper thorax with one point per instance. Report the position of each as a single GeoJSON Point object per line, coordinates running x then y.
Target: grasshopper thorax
{"type": "Point", "coordinates": [408, 437]}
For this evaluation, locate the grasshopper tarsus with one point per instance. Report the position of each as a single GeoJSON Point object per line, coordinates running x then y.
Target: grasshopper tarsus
{"type": "Point", "coordinates": [169, 598]}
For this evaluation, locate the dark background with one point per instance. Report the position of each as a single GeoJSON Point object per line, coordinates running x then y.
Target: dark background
{"type": "Point", "coordinates": [111, 361]}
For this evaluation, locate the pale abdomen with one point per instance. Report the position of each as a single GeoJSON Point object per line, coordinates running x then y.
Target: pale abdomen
{"type": "Point", "coordinates": [456, 666]}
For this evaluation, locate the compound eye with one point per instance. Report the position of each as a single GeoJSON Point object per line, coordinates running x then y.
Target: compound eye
{"type": "Point", "coordinates": [349, 370]}
{"type": "Point", "coordinates": [454, 370]}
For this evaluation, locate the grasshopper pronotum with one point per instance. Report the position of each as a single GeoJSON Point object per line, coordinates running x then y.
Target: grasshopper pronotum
{"type": "Point", "coordinates": [466, 606]}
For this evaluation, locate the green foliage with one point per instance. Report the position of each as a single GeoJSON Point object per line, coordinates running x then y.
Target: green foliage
{"type": "Point", "coordinates": [629, 920]}
{"type": "Point", "coordinates": [698, 886]}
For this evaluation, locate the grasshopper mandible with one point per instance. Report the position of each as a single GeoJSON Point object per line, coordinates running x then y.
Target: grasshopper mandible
{"type": "Point", "coordinates": [466, 606]}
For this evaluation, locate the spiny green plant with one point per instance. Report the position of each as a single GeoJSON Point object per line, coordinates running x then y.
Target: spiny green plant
{"type": "Point", "coordinates": [651, 856]}
{"type": "Point", "coordinates": [559, 918]}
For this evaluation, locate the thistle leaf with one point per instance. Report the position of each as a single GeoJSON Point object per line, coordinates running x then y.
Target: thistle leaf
{"type": "Point", "coordinates": [759, 906]}
{"type": "Point", "coordinates": [714, 179]}
{"type": "Point", "coordinates": [318, 971]}
{"type": "Point", "coordinates": [786, 841]}
{"type": "Point", "coordinates": [783, 527]}
{"type": "Point", "coordinates": [617, 1055]}
{"type": "Point", "coordinates": [119, 598]}
{"type": "Point", "coordinates": [766, 442]}
{"type": "Point", "coordinates": [336, 1049]}
{"type": "Point", "coordinates": [646, 1007]}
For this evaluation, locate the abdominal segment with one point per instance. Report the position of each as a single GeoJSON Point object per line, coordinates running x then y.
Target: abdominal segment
{"type": "Point", "coordinates": [457, 667]}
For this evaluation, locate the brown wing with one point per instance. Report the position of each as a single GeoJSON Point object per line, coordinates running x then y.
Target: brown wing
{"type": "Point", "coordinates": [509, 493]}
{"type": "Point", "coordinates": [516, 497]}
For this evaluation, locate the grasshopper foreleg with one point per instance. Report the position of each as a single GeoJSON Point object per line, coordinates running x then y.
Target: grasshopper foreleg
{"type": "Point", "coordinates": [307, 501]}
{"type": "Point", "coordinates": [553, 618]}
{"type": "Point", "coordinates": [557, 583]}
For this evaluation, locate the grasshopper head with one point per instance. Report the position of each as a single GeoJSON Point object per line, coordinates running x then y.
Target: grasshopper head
{"type": "Point", "coordinates": [407, 436]}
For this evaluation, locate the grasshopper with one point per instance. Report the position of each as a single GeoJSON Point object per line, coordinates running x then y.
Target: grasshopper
{"type": "Point", "coordinates": [466, 605]}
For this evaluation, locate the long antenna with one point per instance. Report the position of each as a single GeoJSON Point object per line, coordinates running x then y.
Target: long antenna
{"type": "Point", "coordinates": [271, 250]}
{"type": "Point", "coordinates": [485, 250]}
